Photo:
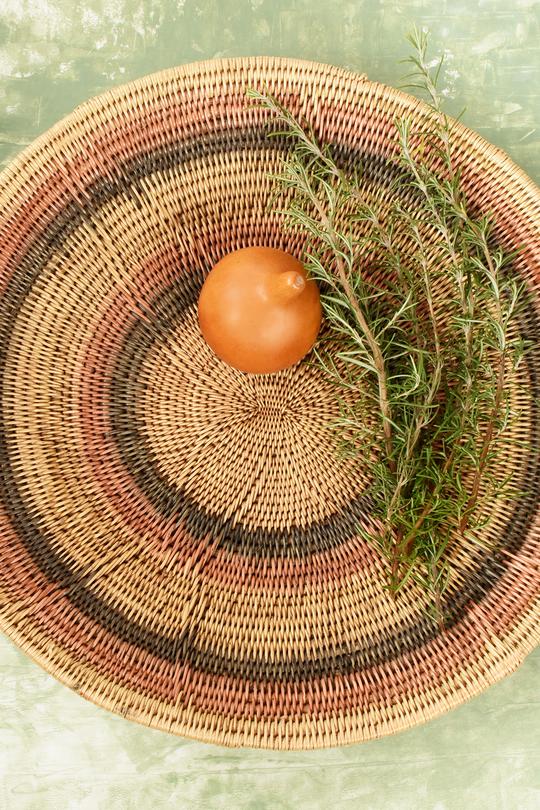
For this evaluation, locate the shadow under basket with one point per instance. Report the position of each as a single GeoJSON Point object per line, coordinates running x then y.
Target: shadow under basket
{"type": "Point", "coordinates": [180, 541]}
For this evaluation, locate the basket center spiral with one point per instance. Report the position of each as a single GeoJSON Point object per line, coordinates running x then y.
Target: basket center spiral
{"type": "Point", "coordinates": [252, 456]}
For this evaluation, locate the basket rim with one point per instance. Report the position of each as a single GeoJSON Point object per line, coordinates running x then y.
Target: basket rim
{"type": "Point", "coordinates": [512, 662]}
{"type": "Point", "coordinates": [208, 66]}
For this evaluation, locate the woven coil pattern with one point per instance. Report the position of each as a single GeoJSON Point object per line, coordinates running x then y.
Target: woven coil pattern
{"type": "Point", "coordinates": [180, 541]}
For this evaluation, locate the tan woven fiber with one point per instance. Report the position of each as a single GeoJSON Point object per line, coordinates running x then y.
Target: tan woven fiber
{"type": "Point", "coordinates": [180, 541]}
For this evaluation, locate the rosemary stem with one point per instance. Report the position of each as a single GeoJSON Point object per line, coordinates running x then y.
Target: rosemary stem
{"type": "Point", "coordinates": [486, 444]}
{"type": "Point", "coordinates": [376, 353]}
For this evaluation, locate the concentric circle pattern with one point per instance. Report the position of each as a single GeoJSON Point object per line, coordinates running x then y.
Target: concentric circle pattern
{"type": "Point", "coordinates": [180, 542]}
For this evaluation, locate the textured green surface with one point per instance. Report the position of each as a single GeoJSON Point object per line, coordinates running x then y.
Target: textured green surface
{"type": "Point", "coordinates": [58, 751]}
{"type": "Point", "coordinates": [56, 53]}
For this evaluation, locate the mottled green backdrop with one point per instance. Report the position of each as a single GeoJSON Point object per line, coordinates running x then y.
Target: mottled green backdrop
{"type": "Point", "coordinates": [58, 751]}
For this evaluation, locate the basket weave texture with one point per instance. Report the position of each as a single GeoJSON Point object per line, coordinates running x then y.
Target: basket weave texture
{"type": "Point", "coordinates": [180, 541]}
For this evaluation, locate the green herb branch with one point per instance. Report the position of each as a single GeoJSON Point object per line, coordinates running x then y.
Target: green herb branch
{"type": "Point", "coordinates": [422, 310]}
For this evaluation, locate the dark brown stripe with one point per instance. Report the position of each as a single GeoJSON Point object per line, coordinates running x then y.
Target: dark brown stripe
{"type": "Point", "coordinates": [183, 648]}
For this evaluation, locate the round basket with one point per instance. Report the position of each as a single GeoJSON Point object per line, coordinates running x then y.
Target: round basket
{"type": "Point", "coordinates": [180, 542]}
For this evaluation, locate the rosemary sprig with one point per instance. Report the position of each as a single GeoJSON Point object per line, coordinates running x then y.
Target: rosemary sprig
{"type": "Point", "coordinates": [436, 373]}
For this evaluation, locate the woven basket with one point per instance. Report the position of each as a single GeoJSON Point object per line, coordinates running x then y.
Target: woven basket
{"type": "Point", "coordinates": [179, 541]}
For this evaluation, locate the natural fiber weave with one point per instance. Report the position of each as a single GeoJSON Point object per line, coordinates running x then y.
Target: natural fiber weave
{"type": "Point", "coordinates": [179, 541]}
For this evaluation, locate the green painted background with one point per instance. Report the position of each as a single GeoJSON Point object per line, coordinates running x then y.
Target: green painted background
{"type": "Point", "coordinates": [58, 751]}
